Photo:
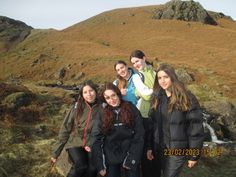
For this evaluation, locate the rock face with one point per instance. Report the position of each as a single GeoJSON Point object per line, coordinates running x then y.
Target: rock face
{"type": "Point", "coordinates": [184, 10]}
{"type": "Point", "coordinates": [12, 32]}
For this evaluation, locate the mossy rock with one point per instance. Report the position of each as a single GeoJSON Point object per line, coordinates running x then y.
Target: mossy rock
{"type": "Point", "coordinates": [63, 165]}
{"type": "Point", "coordinates": [17, 99]}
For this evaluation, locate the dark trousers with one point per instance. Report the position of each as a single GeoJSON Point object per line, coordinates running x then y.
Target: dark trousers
{"type": "Point", "coordinates": [118, 171]}
{"type": "Point", "coordinates": [150, 168]}
{"type": "Point", "coordinates": [174, 165]}
{"type": "Point", "coordinates": [82, 163]}
{"type": "Point", "coordinates": [170, 166]}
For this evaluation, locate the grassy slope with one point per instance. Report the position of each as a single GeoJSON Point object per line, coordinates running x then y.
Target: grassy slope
{"type": "Point", "coordinates": [100, 40]}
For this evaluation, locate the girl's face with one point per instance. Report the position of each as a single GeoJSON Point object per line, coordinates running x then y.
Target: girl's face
{"type": "Point", "coordinates": [89, 94]}
{"type": "Point", "coordinates": [164, 80]}
{"type": "Point", "coordinates": [138, 63]}
{"type": "Point", "coordinates": [122, 70]}
{"type": "Point", "coordinates": [111, 98]}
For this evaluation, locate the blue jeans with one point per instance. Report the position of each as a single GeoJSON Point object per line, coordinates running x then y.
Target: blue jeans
{"type": "Point", "coordinates": [118, 171]}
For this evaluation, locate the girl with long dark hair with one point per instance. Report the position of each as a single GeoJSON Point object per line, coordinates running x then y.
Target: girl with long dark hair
{"type": "Point", "coordinates": [119, 135]}
{"type": "Point", "coordinates": [75, 132]}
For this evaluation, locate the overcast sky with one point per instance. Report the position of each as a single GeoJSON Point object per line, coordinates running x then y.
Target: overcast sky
{"type": "Point", "coordinates": [60, 14]}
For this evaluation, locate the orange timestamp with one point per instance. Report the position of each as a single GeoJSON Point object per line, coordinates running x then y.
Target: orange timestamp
{"type": "Point", "coordinates": [206, 152]}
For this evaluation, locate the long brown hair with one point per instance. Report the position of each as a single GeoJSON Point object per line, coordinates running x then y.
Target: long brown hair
{"type": "Point", "coordinates": [126, 113]}
{"type": "Point", "coordinates": [81, 101]}
{"type": "Point", "coordinates": [121, 82]}
{"type": "Point", "coordinates": [179, 99]}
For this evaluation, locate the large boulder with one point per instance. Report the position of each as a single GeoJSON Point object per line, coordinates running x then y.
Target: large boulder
{"type": "Point", "coordinates": [184, 10]}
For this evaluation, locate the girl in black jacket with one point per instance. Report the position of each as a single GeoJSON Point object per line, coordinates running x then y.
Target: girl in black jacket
{"type": "Point", "coordinates": [119, 135]}
{"type": "Point", "coordinates": [177, 134]}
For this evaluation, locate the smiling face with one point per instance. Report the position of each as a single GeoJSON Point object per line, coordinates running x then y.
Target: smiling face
{"type": "Point", "coordinates": [111, 98]}
{"type": "Point", "coordinates": [89, 94]}
{"type": "Point", "coordinates": [122, 70]}
{"type": "Point", "coordinates": [164, 80]}
{"type": "Point", "coordinates": [138, 64]}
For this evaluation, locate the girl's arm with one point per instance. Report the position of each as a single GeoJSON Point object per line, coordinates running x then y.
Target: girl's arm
{"type": "Point", "coordinates": [64, 132]}
{"type": "Point", "coordinates": [142, 89]}
{"type": "Point", "coordinates": [97, 138]}
{"type": "Point", "coordinates": [136, 148]}
{"type": "Point", "coordinates": [195, 128]}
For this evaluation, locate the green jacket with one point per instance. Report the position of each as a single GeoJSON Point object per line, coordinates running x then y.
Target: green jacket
{"type": "Point", "coordinates": [149, 79]}
{"type": "Point", "coordinates": [74, 134]}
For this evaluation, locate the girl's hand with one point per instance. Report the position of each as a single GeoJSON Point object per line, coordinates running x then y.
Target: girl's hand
{"type": "Point", "coordinates": [53, 160]}
{"type": "Point", "coordinates": [123, 91]}
{"type": "Point", "coordinates": [191, 163]}
{"type": "Point", "coordinates": [103, 172]}
{"type": "Point", "coordinates": [150, 155]}
{"type": "Point", "coordinates": [126, 167]}
{"type": "Point", "coordinates": [87, 148]}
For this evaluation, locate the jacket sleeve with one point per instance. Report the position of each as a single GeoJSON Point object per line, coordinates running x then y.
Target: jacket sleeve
{"type": "Point", "coordinates": [141, 89]}
{"type": "Point", "coordinates": [149, 133]}
{"type": "Point", "coordinates": [97, 145]}
{"type": "Point", "coordinates": [195, 128]}
{"type": "Point", "coordinates": [64, 132]}
{"type": "Point", "coordinates": [136, 148]}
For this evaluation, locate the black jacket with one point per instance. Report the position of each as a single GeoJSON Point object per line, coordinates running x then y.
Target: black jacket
{"type": "Point", "coordinates": [185, 128]}
{"type": "Point", "coordinates": [122, 145]}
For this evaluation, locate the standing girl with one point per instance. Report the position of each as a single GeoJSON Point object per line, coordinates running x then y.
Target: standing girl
{"type": "Point", "coordinates": [138, 59]}
{"type": "Point", "coordinates": [119, 136]}
{"type": "Point", "coordinates": [75, 132]}
{"type": "Point", "coordinates": [178, 129]}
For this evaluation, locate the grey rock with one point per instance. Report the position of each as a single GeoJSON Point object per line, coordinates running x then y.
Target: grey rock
{"type": "Point", "coordinates": [184, 10]}
{"type": "Point", "coordinates": [184, 76]}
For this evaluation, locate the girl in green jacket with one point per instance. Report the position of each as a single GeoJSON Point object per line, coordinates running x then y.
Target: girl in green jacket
{"type": "Point", "coordinates": [74, 135]}
{"type": "Point", "coordinates": [140, 63]}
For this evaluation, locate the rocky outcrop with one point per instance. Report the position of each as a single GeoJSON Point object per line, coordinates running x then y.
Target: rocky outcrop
{"type": "Point", "coordinates": [184, 10]}
{"type": "Point", "coordinates": [12, 31]}
{"type": "Point", "coordinates": [224, 117]}
{"type": "Point", "coordinates": [219, 15]}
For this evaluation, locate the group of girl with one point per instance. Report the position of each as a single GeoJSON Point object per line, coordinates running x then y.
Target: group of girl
{"type": "Point", "coordinates": [125, 129]}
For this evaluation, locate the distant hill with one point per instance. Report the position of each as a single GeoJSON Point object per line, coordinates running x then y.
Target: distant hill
{"type": "Point", "coordinates": [12, 32]}
{"type": "Point", "coordinates": [90, 48]}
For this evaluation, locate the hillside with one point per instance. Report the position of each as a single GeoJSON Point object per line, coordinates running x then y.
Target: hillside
{"type": "Point", "coordinates": [97, 42]}
{"type": "Point", "coordinates": [87, 46]}
{"type": "Point", "coordinates": [37, 65]}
